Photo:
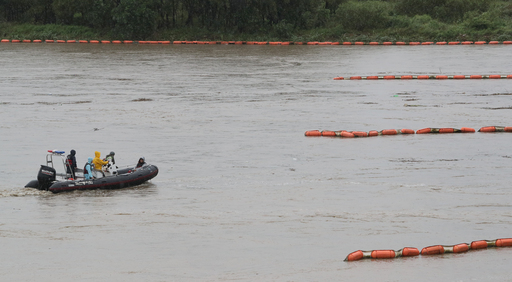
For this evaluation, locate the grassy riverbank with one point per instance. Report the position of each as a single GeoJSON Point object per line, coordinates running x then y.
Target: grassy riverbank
{"type": "Point", "coordinates": [396, 20]}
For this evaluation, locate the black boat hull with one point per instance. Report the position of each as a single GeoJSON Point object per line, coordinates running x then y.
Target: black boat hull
{"type": "Point", "coordinates": [124, 178]}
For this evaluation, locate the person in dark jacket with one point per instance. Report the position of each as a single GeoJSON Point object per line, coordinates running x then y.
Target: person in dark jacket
{"type": "Point", "coordinates": [142, 161]}
{"type": "Point", "coordinates": [71, 163]}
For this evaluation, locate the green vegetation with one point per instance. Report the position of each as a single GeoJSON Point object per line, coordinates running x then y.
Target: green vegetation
{"type": "Point", "coordinates": [258, 20]}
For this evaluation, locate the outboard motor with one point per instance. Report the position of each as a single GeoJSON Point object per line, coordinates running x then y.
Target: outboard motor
{"type": "Point", "coordinates": [46, 177]}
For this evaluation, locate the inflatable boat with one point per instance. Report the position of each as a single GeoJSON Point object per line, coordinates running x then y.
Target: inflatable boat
{"type": "Point", "coordinates": [109, 178]}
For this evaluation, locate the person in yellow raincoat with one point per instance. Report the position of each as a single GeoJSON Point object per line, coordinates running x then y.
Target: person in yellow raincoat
{"type": "Point", "coordinates": [98, 163]}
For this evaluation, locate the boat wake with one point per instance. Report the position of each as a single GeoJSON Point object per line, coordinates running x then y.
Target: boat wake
{"type": "Point", "coordinates": [21, 192]}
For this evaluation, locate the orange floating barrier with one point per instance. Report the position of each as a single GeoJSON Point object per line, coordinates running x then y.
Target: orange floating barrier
{"type": "Point", "coordinates": [5, 41]}
{"type": "Point", "coordinates": [372, 77]}
{"type": "Point", "coordinates": [26, 41]}
{"type": "Point", "coordinates": [373, 133]}
{"type": "Point", "coordinates": [37, 41]}
{"type": "Point", "coordinates": [480, 42]}
{"type": "Point", "coordinates": [383, 254]}
{"type": "Point", "coordinates": [482, 244]}
{"type": "Point", "coordinates": [453, 43]}
{"type": "Point", "coordinates": [406, 77]}
{"type": "Point", "coordinates": [414, 43]}
{"type": "Point", "coordinates": [313, 133]}
{"type": "Point", "coordinates": [387, 43]}
{"type": "Point", "coordinates": [405, 131]}
{"type": "Point", "coordinates": [433, 250]}
{"type": "Point", "coordinates": [357, 255]}
{"type": "Point", "coordinates": [166, 42]}
{"type": "Point", "coordinates": [507, 129]}
{"type": "Point", "coordinates": [494, 42]}
{"type": "Point", "coordinates": [15, 41]}
{"type": "Point", "coordinates": [176, 42]}
{"type": "Point", "coordinates": [83, 41]}
{"type": "Point", "coordinates": [494, 76]}
{"type": "Point", "coordinates": [447, 130]}
{"type": "Point", "coordinates": [355, 78]}
{"type": "Point", "coordinates": [339, 78]}
{"type": "Point", "coordinates": [424, 130]}
{"type": "Point", "coordinates": [116, 42]}
{"type": "Point", "coordinates": [460, 248]}
{"type": "Point", "coordinates": [507, 42]}
{"type": "Point", "coordinates": [335, 43]}
{"type": "Point", "coordinates": [347, 43]}
{"type": "Point", "coordinates": [504, 242]}
{"type": "Point", "coordinates": [360, 134]}
{"type": "Point", "coordinates": [441, 77]}
{"type": "Point", "coordinates": [346, 134]}
{"type": "Point", "coordinates": [94, 41]}
{"type": "Point", "coordinates": [427, 43]}
{"type": "Point", "coordinates": [312, 43]}
{"type": "Point", "coordinates": [389, 77]}
{"type": "Point", "coordinates": [475, 76]}
{"type": "Point", "coordinates": [459, 77]}
{"type": "Point", "coordinates": [105, 42]}
{"type": "Point", "coordinates": [467, 42]}
{"type": "Point", "coordinates": [487, 129]}
{"type": "Point", "coordinates": [328, 133]}
{"type": "Point", "coordinates": [130, 42]}
{"type": "Point", "coordinates": [441, 43]}
{"type": "Point", "coordinates": [298, 43]}
{"type": "Point", "coordinates": [422, 77]}
{"type": "Point", "coordinates": [409, 252]}
{"type": "Point", "coordinates": [71, 41]}
{"type": "Point", "coordinates": [358, 43]}
{"type": "Point", "coordinates": [389, 132]}
{"type": "Point", "coordinates": [48, 41]}
{"type": "Point", "coordinates": [467, 130]}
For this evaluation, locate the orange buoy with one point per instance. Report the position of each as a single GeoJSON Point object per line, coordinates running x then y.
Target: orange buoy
{"type": "Point", "coordinates": [504, 242]}
{"type": "Point", "coordinates": [347, 43]}
{"type": "Point", "coordinates": [460, 248]}
{"type": "Point", "coordinates": [372, 77]}
{"type": "Point", "coordinates": [383, 254]}
{"type": "Point", "coordinates": [406, 77]}
{"type": "Point", "coordinates": [360, 134]}
{"type": "Point", "coordinates": [357, 255]}
{"type": "Point", "coordinates": [475, 76]}
{"type": "Point", "coordinates": [116, 42]}
{"type": "Point", "coordinates": [427, 43]}
{"type": "Point", "coordinates": [313, 133]}
{"type": "Point", "coordinates": [424, 130]}
{"type": "Point", "coordinates": [389, 77]}
{"type": "Point", "coordinates": [507, 129]}
{"type": "Point", "coordinates": [441, 77]}
{"type": "Point", "coordinates": [422, 77]}
{"type": "Point", "coordinates": [459, 77]}
{"type": "Point", "coordinates": [71, 41]}
{"type": "Point", "coordinates": [433, 250]}
{"type": "Point", "coordinates": [358, 43]}
{"type": "Point", "coordinates": [467, 130]}
{"type": "Point", "coordinates": [480, 42]}
{"type": "Point", "coordinates": [94, 41]}
{"type": "Point", "coordinates": [130, 42]}
{"type": "Point", "coordinates": [487, 129]}
{"type": "Point", "coordinates": [346, 134]}
{"type": "Point", "coordinates": [26, 41]}
{"type": "Point", "coordinates": [494, 42]}
{"type": "Point", "coordinates": [176, 42]}
{"type": "Point", "coordinates": [494, 76]}
{"type": "Point", "coordinates": [339, 78]}
{"type": "Point", "coordinates": [414, 43]}
{"type": "Point", "coordinates": [373, 133]}
{"type": "Point", "coordinates": [406, 131]}
{"type": "Point", "coordinates": [441, 43]}
{"type": "Point", "coordinates": [61, 41]}
{"type": "Point", "coordinates": [389, 132]}
{"type": "Point", "coordinates": [482, 244]}
{"type": "Point", "coordinates": [448, 130]}
{"type": "Point", "coordinates": [355, 78]}
{"type": "Point", "coordinates": [48, 41]}
{"type": "Point", "coordinates": [409, 252]}
{"type": "Point", "coordinates": [453, 43]}
{"type": "Point", "coordinates": [83, 41]}
{"type": "Point", "coordinates": [328, 133]}
{"type": "Point", "coordinates": [105, 41]}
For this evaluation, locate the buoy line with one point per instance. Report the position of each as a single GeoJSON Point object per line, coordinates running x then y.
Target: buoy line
{"type": "Point", "coordinates": [430, 250]}
{"type": "Point", "coordinates": [357, 134]}
{"type": "Point", "coordinates": [425, 77]}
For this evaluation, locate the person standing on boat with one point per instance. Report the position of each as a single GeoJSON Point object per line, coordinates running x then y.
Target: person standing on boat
{"type": "Point", "coordinates": [71, 163]}
{"type": "Point", "coordinates": [98, 165]}
{"type": "Point", "coordinates": [88, 169]}
{"type": "Point", "coordinates": [110, 157]}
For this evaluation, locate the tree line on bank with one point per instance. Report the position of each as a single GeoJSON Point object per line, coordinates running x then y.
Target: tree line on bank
{"type": "Point", "coordinates": [284, 19]}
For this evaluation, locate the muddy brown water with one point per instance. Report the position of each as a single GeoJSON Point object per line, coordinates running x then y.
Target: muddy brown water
{"type": "Point", "coordinates": [242, 194]}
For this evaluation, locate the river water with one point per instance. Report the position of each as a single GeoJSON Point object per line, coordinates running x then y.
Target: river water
{"type": "Point", "coordinates": [242, 194]}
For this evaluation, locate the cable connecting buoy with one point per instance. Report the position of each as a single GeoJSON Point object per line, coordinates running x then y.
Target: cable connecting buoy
{"type": "Point", "coordinates": [445, 130]}
{"type": "Point", "coordinates": [496, 129]}
{"type": "Point", "coordinates": [382, 254]}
